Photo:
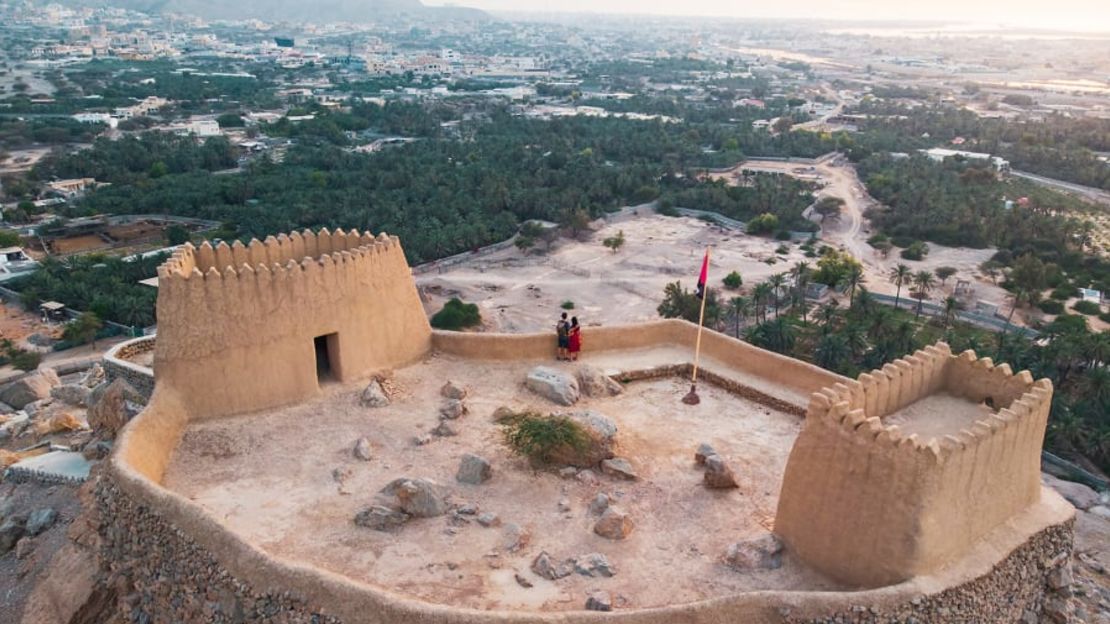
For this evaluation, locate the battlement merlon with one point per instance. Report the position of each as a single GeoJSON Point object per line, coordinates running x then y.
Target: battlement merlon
{"type": "Point", "coordinates": [938, 493]}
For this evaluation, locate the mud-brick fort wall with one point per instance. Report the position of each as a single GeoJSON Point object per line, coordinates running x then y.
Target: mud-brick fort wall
{"type": "Point", "coordinates": [238, 323]}
{"type": "Point", "coordinates": [870, 506]}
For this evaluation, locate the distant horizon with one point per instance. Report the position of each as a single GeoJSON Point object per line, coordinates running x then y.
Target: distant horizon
{"type": "Point", "coordinates": [1079, 16]}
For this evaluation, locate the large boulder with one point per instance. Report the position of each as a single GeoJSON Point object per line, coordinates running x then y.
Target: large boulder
{"type": "Point", "coordinates": [761, 553]}
{"type": "Point", "coordinates": [1079, 495]}
{"type": "Point", "coordinates": [31, 388]}
{"type": "Point", "coordinates": [473, 470]}
{"type": "Point", "coordinates": [594, 383]}
{"type": "Point", "coordinates": [546, 566]}
{"type": "Point", "coordinates": [72, 394]}
{"type": "Point", "coordinates": [381, 518]}
{"type": "Point", "coordinates": [422, 498]}
{"type": "Point", "coordinates": [374, 395]}
{"type": "Point", "coordinates": [718, 474]}
{"type": "Point", "coordinates": [452, 390]}
{"type": "Point", "coordinates": [601, 434]}
{"type": "Point", "coordinates": [614, 524]}
{"type": "Point", "coordinates": [553, 385]}
{"type": "Point", "coordinates": [111, 405]}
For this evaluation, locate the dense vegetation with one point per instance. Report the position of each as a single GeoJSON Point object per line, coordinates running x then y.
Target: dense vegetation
{"type": "Point", "coordinates": [779, 195]}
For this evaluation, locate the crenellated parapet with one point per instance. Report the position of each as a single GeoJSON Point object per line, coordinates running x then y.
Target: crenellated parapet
{"type": "Point", "coordinates": [238, 323]}
{"type": "Point", "coordinates": [870, 501]}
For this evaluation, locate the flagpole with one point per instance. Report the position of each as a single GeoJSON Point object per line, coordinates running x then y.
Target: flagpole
{"type": "Point", "coordinates": [691, 397]}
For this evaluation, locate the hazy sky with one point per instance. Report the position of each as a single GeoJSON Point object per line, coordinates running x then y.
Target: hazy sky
{"type": "Point", "coordinates": [1070, 14]}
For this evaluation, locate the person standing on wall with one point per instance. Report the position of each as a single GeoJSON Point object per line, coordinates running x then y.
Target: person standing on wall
{"type": "Point", "coordinates": [574, 339]}
{"type": "Point", "coordinates": [562, 334]}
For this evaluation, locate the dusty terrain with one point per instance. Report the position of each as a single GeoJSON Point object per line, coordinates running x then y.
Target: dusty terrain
{"type": "Point", "coordinates": [520, 293]}
{"type": "Point", "coordinates": [936, 415]}
{"type": "Point", "coordinates": [269, 477]}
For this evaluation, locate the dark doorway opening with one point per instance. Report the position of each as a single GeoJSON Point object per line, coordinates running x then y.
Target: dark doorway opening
{"type": "Point", "coordinates": [325, 351]}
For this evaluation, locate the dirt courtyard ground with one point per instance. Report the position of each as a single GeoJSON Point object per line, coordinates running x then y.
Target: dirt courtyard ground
{"type": "Point", "coordinates": [269, 477]}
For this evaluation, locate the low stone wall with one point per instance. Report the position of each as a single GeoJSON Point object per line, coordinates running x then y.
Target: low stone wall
{"type": "Point", "coordinates": [704, 374]}
{"type": "Point", "coordinates": [163, 574]}
{"type": "Point", "coordinates": [118, 364]}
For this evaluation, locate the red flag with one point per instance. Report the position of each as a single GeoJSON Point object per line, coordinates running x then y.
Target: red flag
{"type": "Point", "coordinates": [704, 275]}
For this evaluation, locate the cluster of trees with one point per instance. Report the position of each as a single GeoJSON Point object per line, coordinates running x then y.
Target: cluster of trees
{"type": "Point", "coordinates": [20, 133]}
{"type": "Point", "coordinates": [105, 286]}
{"type": "Point", "coordinates": [782, 196]}
{"type": "Point", "coordinates": [133, 160]}
{"type": "Point", "coordinates": [1058, 147]}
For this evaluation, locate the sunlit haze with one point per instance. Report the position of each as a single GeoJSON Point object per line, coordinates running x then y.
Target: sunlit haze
{"type": "Point", "coordinates": [1085, 15]}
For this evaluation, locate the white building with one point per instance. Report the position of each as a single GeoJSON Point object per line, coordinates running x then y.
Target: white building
{"type": "Point", "coordinates": [940, 154]}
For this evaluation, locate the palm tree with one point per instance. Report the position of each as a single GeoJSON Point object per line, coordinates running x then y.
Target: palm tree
{"type": "Point", "coordinates": [899, 275]}
{"type": "Point", "coordinates": [777, 281]}
{"type": "Point", "coordinates": [762, 295]}
{"type": "Point", "coordinates": [854, 279]}
{"type": "Point", "coordinates": [739, 308]}
{"type": "Point", "coordinates": [1095, 386]}
{"type": "Point", "coordinates": [801, 273]}
{"type": "Point", "coordinates": [951, 305]}
{"type": "Point", "coordinates": [831, 351]}
{"type": "Point", "coordinates": [924, 282]}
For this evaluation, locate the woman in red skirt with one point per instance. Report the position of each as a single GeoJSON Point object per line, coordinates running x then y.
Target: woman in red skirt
{"type": "Point", "coordinates": [575, 336]}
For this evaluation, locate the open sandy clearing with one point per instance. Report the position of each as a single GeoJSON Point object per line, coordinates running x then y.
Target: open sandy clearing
{"type": "Point", "coordinates": [268, 476]}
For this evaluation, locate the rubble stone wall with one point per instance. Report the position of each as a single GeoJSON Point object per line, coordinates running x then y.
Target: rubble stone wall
{"type": "Point", "coordinates": [118, 364]}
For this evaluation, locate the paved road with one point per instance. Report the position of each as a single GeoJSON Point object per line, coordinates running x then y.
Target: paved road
{"type": "Point", "coordinates": [1095, 195]}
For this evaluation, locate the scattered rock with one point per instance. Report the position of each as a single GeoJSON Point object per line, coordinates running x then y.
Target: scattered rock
{"type": "Point", "coordinates": [41, 520]}
{"type": "Point", "coordinates": [595, 383]}
{"type": "Point", "coordinates": [452, 390]}
{"type": "Point", "coordinates": [473, 469]}
{"type": "Point", "coordinates": [704, 451]}
{"type": "Point", "coordinates": [599, 601]}
{"type": "Point", "coordinates": [489, 519]}
{"type": "Point", "coordinates": [593, 565]}
{"type": "Point", "coordinates": [619, 467]}
{"type": "Point", "coordinates": [24, 547]}
{"type": "Point", "coordinates": [516, 537]}
{"type": "Point", "coordinates": [553, 385]}
{"type": "Point", "coordinates": [452, 409]}
{"type": "Point", "coordinates": [363, 450]}
{"type": "Point", "coordinates": [468, 509]}
{"type": "Point", "coordinates": [614, 524]}
{"type": "Point", "coordinates": [1101, 511]}
{"type": "Point", "coordinates": [1058, 609]}
{"type": "Point", "coordinates": [1061, 578]}
{"type": "Point", "coordinates": [1079, 495]}
{"type": "Point", "coordinates": [602, 434]}
{"type": "Point", "coordinates": [422, 440]}
{"type": "Point", "coordinates": [718, 474]}
{"type": "Point", "coordinates": [111, 405]}
{"type": "Point", "coordinates": [761, 553]}
{"type": "Point", "coordinates": [33, 408]}
{"type": "Point", "coordinates": [589, 477]}
{"type": "Point", "coordinates": [10, 531]}
{"type": "Point", "coordinates": [599, 504]}
{"type": "Point", "coordinates": [373, 395]}
{"type": "Point", "coordinates": [381, 518]}
{"type": "Point", "coordinates": [503, 413]}
{"type": "Point", "coordinates": [445, 430]}
{"type": "Point", "coordinates": [564, 504]}
{"type": "Point", "coordinates": [93, 377]}
{"type": "Point", "coordinates": [522, 580]}
{"type": "Point", "coordinates": [32, 388]}
{"type": "Point", "coordinates": [71, 394]}
{"type": "Point", "coordinates": [98, 449]}
{"type": "Point", "coordinates": [545, 566]}
{"type": "Point", "coordinates": [422, 498]}
{"type": "Point", "coordinates": [568, 472]}
{"type": "Point", "coordinates": [341, 474]}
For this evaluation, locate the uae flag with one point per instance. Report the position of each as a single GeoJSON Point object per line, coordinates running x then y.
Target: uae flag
{"type": "Point", "coordinates": [703, 276]}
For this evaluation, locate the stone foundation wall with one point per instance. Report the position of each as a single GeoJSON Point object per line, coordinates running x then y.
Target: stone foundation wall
{"type": "Point", "coordinates": [161, 575]}
{"type": "Point", "coordinates": [117, 365]}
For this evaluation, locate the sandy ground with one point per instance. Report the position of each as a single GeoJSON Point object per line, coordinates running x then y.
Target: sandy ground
{"type": "Point", "coordinates": [269, 478]}
{"type": "Point", "coordinates": [937, 415]}
{"type": "Point", "coordinates": [520, 293]}
{"type": "Point", "coordinates": [16, 324]}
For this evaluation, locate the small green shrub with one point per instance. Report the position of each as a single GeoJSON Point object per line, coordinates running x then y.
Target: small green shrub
{"type": "Point", "coordinates": [1051, 306]}
{"type": "Point", "coordinates": [765, 223]}
{"type": "Point", "coordinates": [26, 360]}
{"type": "Point", "coordinates": [1089, 308]}
{"type": "Point", "coordinates": [1065, 292]}
{"type": "Point", "coordinates": [917, 250]}
{"type": "Point", "coordinates": [782, 250]}
{"type": "Point", "coordinates": [538, 437]}
{"type": "Point", "coordinates": [733, 280]}
{"type": "Point", "coordinates": [456, 315]}
{"type": "Point", "coordinates": [567, 305]}
{"type": "Point", "coordinates": [1104, 317]}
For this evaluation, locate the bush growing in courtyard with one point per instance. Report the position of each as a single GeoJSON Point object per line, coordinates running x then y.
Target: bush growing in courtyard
{"type": "Point", "coordinates": [538, 437]}
{"type": "Point", "coordinates": [456, 315]}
